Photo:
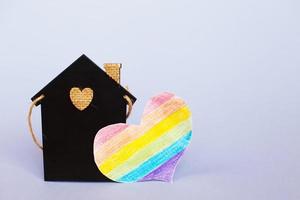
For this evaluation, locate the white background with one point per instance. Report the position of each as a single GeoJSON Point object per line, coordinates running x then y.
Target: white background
{"type": "Point", "coordinates": [235, 62]}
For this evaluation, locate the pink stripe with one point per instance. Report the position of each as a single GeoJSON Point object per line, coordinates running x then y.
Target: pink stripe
{"type": "Point", "coordinates": [156, 101]}
{"type": "Point", "coordinates": [113, 130]}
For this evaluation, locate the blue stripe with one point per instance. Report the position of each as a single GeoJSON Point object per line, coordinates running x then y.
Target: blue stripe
{"type": "Point", "coordinates": [157, 160]}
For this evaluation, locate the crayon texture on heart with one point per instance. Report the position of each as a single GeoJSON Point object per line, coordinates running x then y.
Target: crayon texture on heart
{"type": "Point", "coordinates": [149, 151]}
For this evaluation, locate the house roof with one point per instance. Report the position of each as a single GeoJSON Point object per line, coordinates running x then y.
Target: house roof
{"type": "Point", "coordinates": [83, 63]}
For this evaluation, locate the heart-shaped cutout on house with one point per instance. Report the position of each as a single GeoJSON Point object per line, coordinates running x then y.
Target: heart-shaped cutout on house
{"type": "Point", "coordinates": [149, 151]}
{"type": "Point", "coordinates": [81, 99]}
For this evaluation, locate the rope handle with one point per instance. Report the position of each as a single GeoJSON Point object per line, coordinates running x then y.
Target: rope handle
{"type": "Point", "coordinates": [33, 104]}
{"type": "Point", "coordinates": [35, 101]}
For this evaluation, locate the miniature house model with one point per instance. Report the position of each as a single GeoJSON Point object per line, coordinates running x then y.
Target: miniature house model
{"type": "Point", "coordinates": [69, 128]}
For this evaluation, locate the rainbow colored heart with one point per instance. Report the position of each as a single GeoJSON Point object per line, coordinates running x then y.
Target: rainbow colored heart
{"type": "Point", "coordinates": [149, 151]}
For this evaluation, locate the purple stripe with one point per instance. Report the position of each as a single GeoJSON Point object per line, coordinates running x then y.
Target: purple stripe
{"type": "Point", "coordinates": [166, 171]}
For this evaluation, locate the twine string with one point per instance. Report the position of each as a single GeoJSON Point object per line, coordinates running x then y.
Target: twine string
{"type": "Point", "coordinates": [129, 103]}
{"type": "Point", "coordinates": [33, 104]}
{"type": "Point", "coordinates": [35, 101]}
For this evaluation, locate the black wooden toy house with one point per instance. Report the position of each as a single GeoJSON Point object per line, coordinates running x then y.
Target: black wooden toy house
{"type": "Point", "coordinates": [68, 131]}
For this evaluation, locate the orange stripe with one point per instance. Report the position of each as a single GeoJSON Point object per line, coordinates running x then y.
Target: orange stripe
{"type": "Point", "coordinates": [134, 131]}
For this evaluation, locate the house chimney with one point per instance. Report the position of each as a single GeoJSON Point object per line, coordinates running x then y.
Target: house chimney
{"type": "Point", "coordinates": [113, 70]}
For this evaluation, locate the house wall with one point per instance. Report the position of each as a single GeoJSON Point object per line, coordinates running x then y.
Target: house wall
{"type": "Point", "coordinates": [68, 136]}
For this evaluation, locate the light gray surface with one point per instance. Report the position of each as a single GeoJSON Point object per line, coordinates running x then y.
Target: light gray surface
{"type": "Point", "coordinates": [235, 62]}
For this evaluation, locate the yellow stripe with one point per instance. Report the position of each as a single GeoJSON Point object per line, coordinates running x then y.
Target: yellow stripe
{"type": "Point", "coordinates": [155, 132]}
{"type": "Point", "coordinates": [150, 150]}
{"type": "Point", "coordinates": [134, 131]}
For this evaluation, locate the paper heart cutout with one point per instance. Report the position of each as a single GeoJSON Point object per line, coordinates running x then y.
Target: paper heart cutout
{"type": "Point", "coordinates": [81, 99]}
{"type": "Point", "coordinates": [149, 151]}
